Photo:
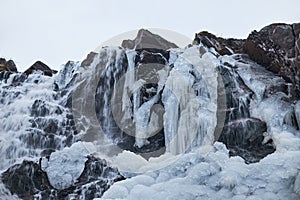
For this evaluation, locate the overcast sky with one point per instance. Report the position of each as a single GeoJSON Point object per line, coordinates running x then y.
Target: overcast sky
{"type": "Point", "coordinates": [55, 31]}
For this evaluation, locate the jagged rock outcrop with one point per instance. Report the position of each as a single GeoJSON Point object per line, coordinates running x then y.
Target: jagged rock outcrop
{"type": "Point", "coordinates": [147, 40]}
{"type": "Point", "coordinates": [29, 181]}
{"type": "Point", "coordinates": [221, 45]}
{"type": "Point", "coordinates": [277, 47]}
{"type": "Point", "coordinates": [7, 65]}
{"type": "Point", "coordinates": [40, 66]}
{"type": "Point", "coordinates": [89, 59]}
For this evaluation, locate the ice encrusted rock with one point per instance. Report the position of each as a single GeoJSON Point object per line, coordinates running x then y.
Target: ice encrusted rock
{"type": "Point", "coordinates": [64, 167]}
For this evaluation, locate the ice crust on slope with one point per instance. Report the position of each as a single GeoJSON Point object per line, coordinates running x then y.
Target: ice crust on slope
{"type": "Point", "coordinates": [216, 176]}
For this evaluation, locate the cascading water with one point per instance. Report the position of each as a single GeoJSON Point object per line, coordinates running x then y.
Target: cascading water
{"type": "Point", "coordinates": [33, 121]}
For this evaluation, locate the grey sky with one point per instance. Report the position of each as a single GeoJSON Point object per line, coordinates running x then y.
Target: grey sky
{"type": "Point", "coordinates": [55, 31]}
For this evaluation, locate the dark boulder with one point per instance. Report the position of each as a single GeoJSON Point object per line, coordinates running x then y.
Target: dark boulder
{"type": "Point", "coordinates": [26, 179]}
{"type": "Point", "coordinates": [96, 178]}
{"type": "Point", "coordinates": [40, 66]}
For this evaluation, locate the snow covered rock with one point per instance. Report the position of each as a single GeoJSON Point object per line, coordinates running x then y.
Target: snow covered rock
{"type": "Point", "coordinates": [216, 176]}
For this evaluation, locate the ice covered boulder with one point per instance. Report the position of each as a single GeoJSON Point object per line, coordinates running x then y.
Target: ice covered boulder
{"type": "Point", "coordinates": [64, 167]}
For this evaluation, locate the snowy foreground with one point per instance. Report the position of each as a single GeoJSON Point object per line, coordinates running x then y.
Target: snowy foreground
{"type": "Point", "coordinates": [216, 176]}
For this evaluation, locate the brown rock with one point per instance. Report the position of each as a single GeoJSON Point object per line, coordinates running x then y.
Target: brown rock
{"type": "Point", "coordinates": [276, 47]}
{"type": "Point", "coordinates": [7, 65]}
{"type": "Point", "coordinates": [147, 40]}
{"type": "Point", "coordinates": [89, 59]}
{"type": "Point", "coordinates": [40, 66]}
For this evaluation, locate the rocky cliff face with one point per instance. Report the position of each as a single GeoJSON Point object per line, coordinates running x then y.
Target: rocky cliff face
{"type": "Point", "coordinates": [277, 47]}
{"type": "Point", "coordinates": [150, 98]}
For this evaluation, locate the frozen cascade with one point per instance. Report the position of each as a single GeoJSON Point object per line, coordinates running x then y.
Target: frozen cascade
{"type": "Point", "coordinates": [196, 96]}
{"type": "Point", "coordinates": [129, 81]}
{"type": "Point", "coordinates": [142, 116]}
{"type": "Point", "coordinates": [147, 122]}
{"type": "Point", "coordinates": [190, 119]}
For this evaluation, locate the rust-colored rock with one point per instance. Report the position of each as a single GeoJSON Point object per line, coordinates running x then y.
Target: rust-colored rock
{"type": "Point", "coordinates": [276, 47]}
